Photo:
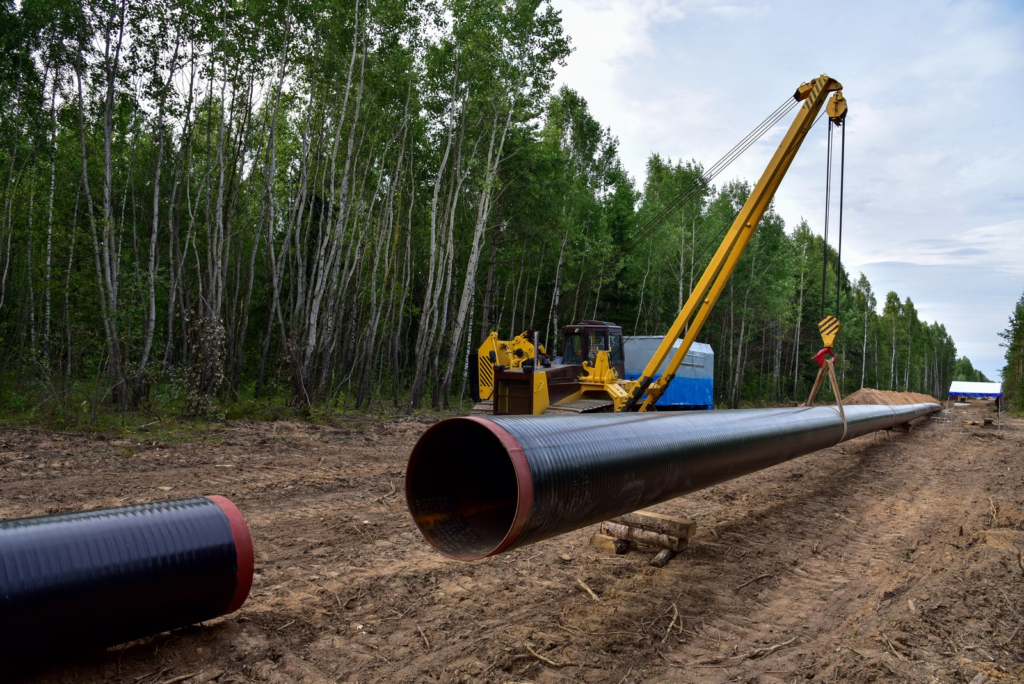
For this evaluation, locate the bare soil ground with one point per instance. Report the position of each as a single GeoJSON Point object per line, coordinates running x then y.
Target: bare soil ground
{"type": "Point", "coordinates": [877, 560]}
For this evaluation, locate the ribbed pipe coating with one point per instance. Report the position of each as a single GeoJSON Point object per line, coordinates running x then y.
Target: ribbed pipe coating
{"type": "Point", "coordinates": [107, 576]}
{"type": "Point", "coordinates": [481, 486]}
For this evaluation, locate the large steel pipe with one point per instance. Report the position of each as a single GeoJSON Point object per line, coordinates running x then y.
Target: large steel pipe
{"type": "Point", "coordinates": [481, 486]}
{"type": "Point", "coordinates": [102, 577]}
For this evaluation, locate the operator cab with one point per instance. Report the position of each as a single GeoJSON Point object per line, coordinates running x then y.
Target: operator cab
{"type": "Point", "coordinates": [584, 339]}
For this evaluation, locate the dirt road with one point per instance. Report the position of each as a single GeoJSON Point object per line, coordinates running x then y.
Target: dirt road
{"type": "Point", "coordinates": [876, 560]}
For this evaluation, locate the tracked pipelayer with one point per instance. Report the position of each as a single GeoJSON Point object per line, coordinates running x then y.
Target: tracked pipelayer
{"type": "Point", "coordinates": [509, 374]}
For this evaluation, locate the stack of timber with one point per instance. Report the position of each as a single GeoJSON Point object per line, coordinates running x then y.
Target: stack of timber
{"type": "Point", "coordinates": [622, 533]}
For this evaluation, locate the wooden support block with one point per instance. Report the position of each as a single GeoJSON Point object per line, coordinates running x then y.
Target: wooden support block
{"type": "Point", "coordinates": [611, 544]}
{"type": "Point", "coordinates": [663, 557]}
{"type": "Point", "coordinates": [656, 522]}
{"type": "Point", "coordinates": [903, 427]}
{"type": "Point", "coordinates": [663, 541]}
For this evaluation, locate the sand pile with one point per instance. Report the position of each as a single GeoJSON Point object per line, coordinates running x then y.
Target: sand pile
{"type": "Point", "coordinates": [872, 396]}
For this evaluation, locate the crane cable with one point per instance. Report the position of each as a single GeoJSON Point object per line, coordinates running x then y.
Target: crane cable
{"type": "Point", "coordinates": [704, 180]}
{"type": "Point", "coordinates": [825, 365]}
{"type": "Point", "coordinates": [828, 203]}
{"type": "Point", "coordinates": [707, 243]}
{"type": "Point", "coordinates": [839, 244]}
{"type": "Point", "coordinates": [721, 231]}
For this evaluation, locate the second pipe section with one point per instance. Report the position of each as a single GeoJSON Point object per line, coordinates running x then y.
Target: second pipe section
{"type": "Point", "coordinates": [103, 577]}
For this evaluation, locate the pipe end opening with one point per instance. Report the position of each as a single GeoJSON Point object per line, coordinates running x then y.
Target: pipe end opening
{"type": "Point", "coordinates": [463, 489]}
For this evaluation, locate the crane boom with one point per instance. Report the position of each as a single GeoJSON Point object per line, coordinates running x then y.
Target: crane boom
{"type": "Point", "coordinates": [643, 393]}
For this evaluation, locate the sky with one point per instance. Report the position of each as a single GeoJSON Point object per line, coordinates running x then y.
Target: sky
{"type": "Point", "coordinates": [934, 191]}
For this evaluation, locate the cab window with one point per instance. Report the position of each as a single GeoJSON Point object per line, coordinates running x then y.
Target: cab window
{"type": "Point", "coordinates": [615, 355]}
{"type": "Point", "coordinates": [597, 340]}
{"type": "Point", "coordinates": [573, 349]}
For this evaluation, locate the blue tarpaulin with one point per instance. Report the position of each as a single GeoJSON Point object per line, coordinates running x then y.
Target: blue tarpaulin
{"type": "Point", "coordinates": [693, 387]}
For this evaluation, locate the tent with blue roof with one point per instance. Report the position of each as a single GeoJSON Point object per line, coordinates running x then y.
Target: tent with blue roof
{"type": "Point", "coordinates": [979, 390]}
{"type": "Point", "coordinates": [976, 390]}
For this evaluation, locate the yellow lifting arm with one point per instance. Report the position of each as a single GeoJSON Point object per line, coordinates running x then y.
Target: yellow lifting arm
{"type": "Point", "coordinates": [702, 299]}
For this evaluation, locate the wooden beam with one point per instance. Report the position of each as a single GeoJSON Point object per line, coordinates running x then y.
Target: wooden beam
{"type": "Point", "coordinates": [636, 534]}
{"type": "Point", "coordinates": [611, 544]}
{"type": "Point", "coordinates": [682, 528]}
{"type": "Point", "coordinates": [663, 557]}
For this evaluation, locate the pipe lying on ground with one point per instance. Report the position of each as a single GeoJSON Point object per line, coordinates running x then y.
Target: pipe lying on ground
{"type": "Point", "coordinates": [481, 486]}
{"type": "Point", "coordinates": [103, 577]}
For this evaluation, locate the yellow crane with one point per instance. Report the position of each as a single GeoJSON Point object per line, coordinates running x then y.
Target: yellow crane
{"type": "Point", "coordinates": [591, 377]}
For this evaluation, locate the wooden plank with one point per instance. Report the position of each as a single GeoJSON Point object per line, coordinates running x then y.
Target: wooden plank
{"type": "Point", "coordinates": [663, 541]}
{"type": "Point", "coordinates": [663, 557]}
{"type": "Point", "coordinates": [611, 544]}
{"type": "Point", "coordinates": [657, 522]}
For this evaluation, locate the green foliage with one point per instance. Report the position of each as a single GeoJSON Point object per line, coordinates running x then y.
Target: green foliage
{"type": "Point", "coordinates": [218, 210]}
{"type": "Point", "coordinates": [964, 371]}
{"type": "Point", "coordinates": [1013, 371]}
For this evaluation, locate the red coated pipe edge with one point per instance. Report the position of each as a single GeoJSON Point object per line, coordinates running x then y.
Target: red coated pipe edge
{"type": "Point", "coordinates": [474, 439]}
{"type": "Point", "coordinates": [524, 482]}
{"type": "Point", "coordinates": [243, 550]}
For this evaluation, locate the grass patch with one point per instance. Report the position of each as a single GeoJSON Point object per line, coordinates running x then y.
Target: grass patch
{"type": "Point", "coordinates": [162, 413]}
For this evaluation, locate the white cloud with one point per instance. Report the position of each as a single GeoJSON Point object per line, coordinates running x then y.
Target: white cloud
{"type": "Point", "coordinates": [990, 249]}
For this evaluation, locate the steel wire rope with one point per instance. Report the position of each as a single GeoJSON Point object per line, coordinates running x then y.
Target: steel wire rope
{"type": "Point", "coordinates": [784, 109]}
{"type": "Point", "coordinates": [725, 226]}
{"type": "Point", "coordinates": [839, 245]}
{"type": "Point", "coordinates": [705, 178]}
{"type": "Point", "coordinates": [828, 195]}
{"type": "Point", "coordinates": [828, 203]}
{"type": "Point", "coordinates": [722, 230]}
{"type": "Point", "coordinates": [703, 181]}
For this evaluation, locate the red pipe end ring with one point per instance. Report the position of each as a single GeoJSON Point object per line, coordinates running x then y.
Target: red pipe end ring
{"type": "Point", "coordinates": [524, 482]}
{"type": "Point", "coordinates": [500, 446]}
{"type": "Point", "coordinates": [243, 551]}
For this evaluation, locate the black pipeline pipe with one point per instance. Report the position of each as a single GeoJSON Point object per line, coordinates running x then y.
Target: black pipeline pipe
{"type": "Point", "coordinates": [481, 486]}
{"type": "Point", "coordinates": [104, 577]}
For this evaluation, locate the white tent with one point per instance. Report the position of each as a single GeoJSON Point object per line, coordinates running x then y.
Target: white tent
{"type": "Point", "coordinates": [980, 390]}
{"type": "Point", "coordinates": [976, 390]}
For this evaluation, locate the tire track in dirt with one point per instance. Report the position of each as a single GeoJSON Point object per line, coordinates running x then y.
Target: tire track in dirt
{"type": "Point", "coordinates": [880, 533]}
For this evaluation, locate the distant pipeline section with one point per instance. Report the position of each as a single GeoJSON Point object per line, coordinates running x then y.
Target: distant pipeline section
{"type": "Point", "coordinates": [103, 577]}
{"type": "Point", "coordinates": [478, 486]}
